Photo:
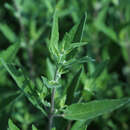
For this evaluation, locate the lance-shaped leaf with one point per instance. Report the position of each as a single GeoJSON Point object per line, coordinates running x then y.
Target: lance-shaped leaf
{"type": "Point", "coordinates": [50, 71]}
{"type": "Point", "coordinates": [68, 38]}
{"type": "Point", "coordinates": [101, 26]}
{"type": "Point", "coordinates": [74, 83]}
{"type": "Point", "coordinates": [94, 80]}
{"type": "Point", "coordinates": [75, 35]}
{"type": "Point", "coordinates": [34, 128]}
{"type": "Point", "coordinates": [9, 54]}
{"type": "Point", "coordinates": [90, 110]}
{"type": "Point", "coordinates": [99, 69]}
{"type": "Point", "coordinates": [50, 84]}
{"type": "Point", "coordinates": [79, 32]}
{"type": "Point", "coordinates": [18, 76]}
{"type": "Point", "coordinates": [79, 125]}
{"type": "Point", "coordinates": [12, 126]}
{"type": "Point", "coordinates": [24, 84]}
{"type": "Point", "coordinates": [85, 59]}
{"type": "Point", "coordinates": [73, 61]}
{"type": "Point", "coordinates": [75, 45]}
{"type": "Point", "coordinates": [9, 7]}
{"type": "Point", "coordinates": [8, 33]}
{"type": "Point", "coordinates": [53, 46]}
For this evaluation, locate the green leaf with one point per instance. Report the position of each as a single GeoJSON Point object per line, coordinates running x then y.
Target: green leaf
{"type": "Point", "coordinates": [49, 84]}
{"type": "Point", "coordinates": [42, 92]}
{"type": "Point", "coordinates": [54, 128]}
{"type": "Point", "coordinates": [73, 61]}
{"type": "Point", "coordinates": [90, 110]}
{"type": "Point", "coordinates": [50, 69]}
{"type": "Point", "coordinates": [46, 82]}
{"type": "Point", "coordinates": [101, 26]}
{"type": "Point", "coordinates": [17, 75]}
{"type": "Point", "coordinates": [60, 4]}
{"type": "Point", "coordinates": [68, 38]}
{"type": "Point", "coordinates": [78, 125]}
{"type": "Point", "coordinates": [8, 33]}
{"type": "Point", "coordinates": [96, 80]}
{"type": "Point", "coordinates": [53, 46]}
{"type": "Point", "coordinates": [8, 100]}
{"type": "Point", "coordinates": [81, 125]}
{"type": "Point", "coordinates": [79, 33]}
{"type": "Point", "coordinates": [9, 7]}
{"type": "Point", "coordinates": [102, 15]}
{"type": "Point", "coordinates": [9, 54]}
{"type": "Point", "coordinates": [12, 126]}
{"type": "Point", "coordinates": [71, 88]}
{"type": "Point", "coordinates": [48, 6]}
{"type": "Point", "coordinates": [24, 83]}
{"type": "Point", "coordinates": [75, 36]}
{"type": "Point", "coordinates": [85, 59]}
{"type": "Point", "coordinates": [75, 45]}
{"type": "Point", "coordinates": [41, 89]}
{"type": "Point", "coordinates": [99, 69]}
{"type": "Point", "coordinates": [107, 31]}
{"type": "Point", "coordinates": [34, 128]}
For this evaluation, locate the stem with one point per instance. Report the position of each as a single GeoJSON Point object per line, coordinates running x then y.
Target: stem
{"type": "Point", "coordinates": [51, 115]}
{"type": "Point", "coordinates": [52, 100]}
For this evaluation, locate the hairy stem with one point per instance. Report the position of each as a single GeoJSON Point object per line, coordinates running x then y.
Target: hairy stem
{"type": "Point", "coordinates": [51, 115]}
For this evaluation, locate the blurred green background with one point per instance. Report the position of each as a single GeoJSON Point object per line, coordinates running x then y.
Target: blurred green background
{"type": "Point", "coordinates": [29, 22]}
